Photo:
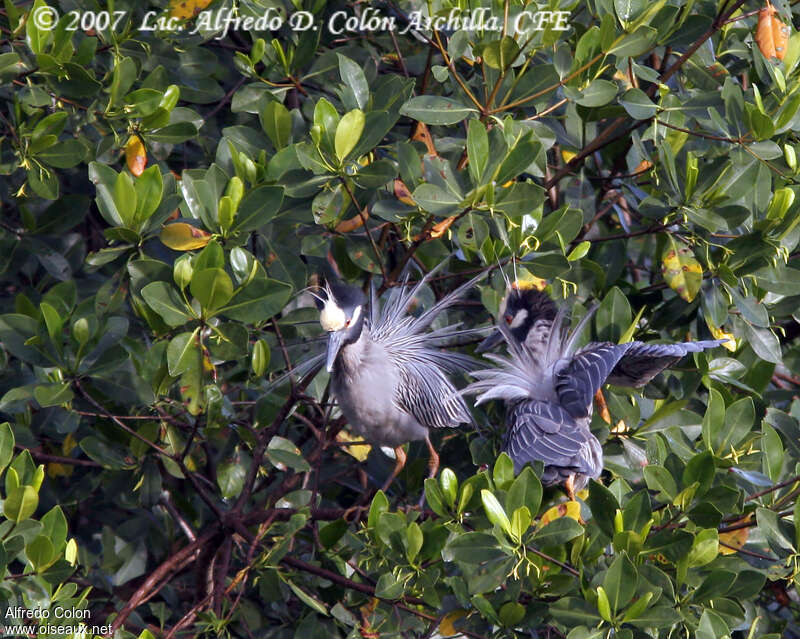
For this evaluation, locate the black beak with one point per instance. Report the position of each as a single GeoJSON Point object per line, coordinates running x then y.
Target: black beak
{"type": "Point", "coordinates": [335, 339]}
{"type": "Point", "coordinates": [495, 338]}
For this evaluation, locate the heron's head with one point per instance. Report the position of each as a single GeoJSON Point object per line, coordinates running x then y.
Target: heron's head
{"type": "Point", "coordinates": [342, 315]}
{"type": "Point", "coordinates": [518, 313]}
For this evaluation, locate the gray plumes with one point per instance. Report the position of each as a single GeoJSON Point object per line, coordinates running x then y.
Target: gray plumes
{"type": "Point", "coordinates": [388, 373]}
{"type": "Point", "coordinates": [549, 385]}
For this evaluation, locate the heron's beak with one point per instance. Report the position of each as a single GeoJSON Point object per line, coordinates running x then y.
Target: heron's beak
{"type": "Point", "coordinates": [495, 338]}
{"type": "Point", "coordinates": [334, 346]}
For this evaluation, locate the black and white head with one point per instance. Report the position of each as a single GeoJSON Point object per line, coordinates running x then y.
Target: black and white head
{"type": "Point", "coordinates": [518, 313]}
{"type": "Point", "coordinates": [342, 315]}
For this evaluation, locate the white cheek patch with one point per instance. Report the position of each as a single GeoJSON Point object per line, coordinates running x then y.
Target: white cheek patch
{"type": "Point", "coordinates": [332, 317]}
{"type": "Point", "coordinates": [356, 314]}
{"type": "Point", "coordinates": [519, 318]}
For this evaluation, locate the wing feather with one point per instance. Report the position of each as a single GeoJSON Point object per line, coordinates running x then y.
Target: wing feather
{"type": "Point", "coordinates": [543, 431]}
{"type": "Point", "coordinates": [643, 361]}
{"type": "Point", "coordinates": [426, 393]}
{"type": "Point", "coordinates": [584, 374]}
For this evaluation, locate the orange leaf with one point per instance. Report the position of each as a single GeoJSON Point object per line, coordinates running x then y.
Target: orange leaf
{"type": "Point", "coordinates": [772, 34]}
{"type": "Point", "coordinates": [447, 624]}
{"type": "Point", "coordinates": [184, 237]}
{"type": "Point", "coordinates": [355, 222]}
{"type": "Point", "coordinates": [735, 539]}
{"type": "Point", "coordinates": [135, 155]}
{"type": "Point", "coordinates": [422, 134]}
{"type": "Point", "coordinates": [402, 193]}
{"type": "Point", "coordinates": [437, 230]}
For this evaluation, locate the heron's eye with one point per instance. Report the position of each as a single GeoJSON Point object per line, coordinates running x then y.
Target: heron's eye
{"type": "Point", "coordinates": [509, 318]}
{"type": "Point", "coordinates": [347, 323]}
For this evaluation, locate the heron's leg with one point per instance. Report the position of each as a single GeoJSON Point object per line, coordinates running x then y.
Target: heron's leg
{"type": "Point", "coordinates": [433, 459]}
{"type": "Point", "coordinates": [602, 406]}
{"type": "Point", "coordinates": [400, 455]}
{"type": "Point", "coordinates": [570, 486]}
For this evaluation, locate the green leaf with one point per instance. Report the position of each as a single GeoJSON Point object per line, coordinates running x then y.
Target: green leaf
{"type": "Point", "coordinates": [6, 444]}
{"type": "Point", "coordinates": [477, 149]}
{"type": "Point", "coordinates": [635, 43]}
{"type": "Point", "coordinates": [764, 342]}
{"type": "Point", "coordinates": [348, 133]}
{"type": "Point", "coordinates": [310, 601]}
{"type": "Point", "coordinates": [258, 208]}
{"type": "Point", "coordinates": [574, 611]}
{"type": "Point", "coordinates": [526, 490]}
{"type": "Point", "coordinates": [212, 287]}
{"type": "Point", "coordinates": [620, 582]}
{"type": "Point", "coordinates": [38, 31]}
{"type": "Point", "coordinates": [500, 54]}
{"type": "Point", "coordinates": [773, 452]}
{"type": "Point", "coordinates": [448, 482]}
{"type": "Point", "coordinates": [53, 394]}
{"type": "Point", "coordinates": [283, 454]}
{"type": "Point", "coordinates": [503, 472]}
{"type": "Point", "coordinates": [183, 352]}
{"type": "Point", "coordinates": [149, 188]}
{"type": "Point", "coordinates": [558, 532]}
{"type": "Point", "coordinates": [21, 503]}
{"type": "Point", "coordinates": [53, 321]}
{"type": "Point", "coordinates": [175, 133]}
{"type": "Point", "coordinates": [604, 507]}
{"type": "Point", "coordinates": [258, 301]}
{"type": "Point", "coordinates": [40, 552]}
{"type": "Point", "coordinates": [354, 78]}
{"type": "Point", "coordinates": [473, 548]}
{"type": "Point", "coordinates": [125, 199]}
{"type": "Point", "coordinates": [705, 548]}
{"type": "Point", "coordinates": [433, 109]}
{"type": "Point", "coordinates": [380, 504]}
{"type": "Point", "coordinates": [166, 301]}
{"type": "Point", "coordinates": [434, 497]}
{"type": "Point", "coordinates": [230, 479]}
{"type": "Point", "coordinates": [494, 511]}
{"type": "Point", "coordinates": [63, 155]}
{"type": "Point", "coordinates": [388, 587]}
{"type": "Point", "coordinates": [638, 105]}
{"type": "Point", "coordinates": [436, 200]}
{"type": "Point", "coordinates": [277, 123]}
{"type": "Point", "coordinates": [598, 93]}
{"type": "Point", "coordinates": [770, 525]}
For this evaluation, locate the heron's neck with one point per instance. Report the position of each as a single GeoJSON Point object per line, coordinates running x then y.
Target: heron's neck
{"type": "Point", "coordinates": [351, 355]}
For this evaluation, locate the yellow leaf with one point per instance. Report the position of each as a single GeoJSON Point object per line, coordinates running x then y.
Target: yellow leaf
{"type": "Point", "coordinates": [526, 281]}
{"type": "Point", "coordinates": [184, 237]}
{"type": "Point", "coordinates": [187, 8]}
{"type": "Point", "coordinates": [719, 333]}
{"type": "Point", "coordinates": [567, 155]}
{"type": "Point", "coordinates": [570, 509]}
{"type": "Point", "coordinates": [735, 538]}
{"type": "Point", "coordinates": [55, 469]}
{"type": "Point", "coordinates": [68, 444]}
{"type": "Point", "coordinates": [135, 155]}
{"type": "Point", "coordinates": [681, 271]}
{"type": "Point", "coordinates": [359, 451]}
{"type": "Point", "coordinates": [446, 625]}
